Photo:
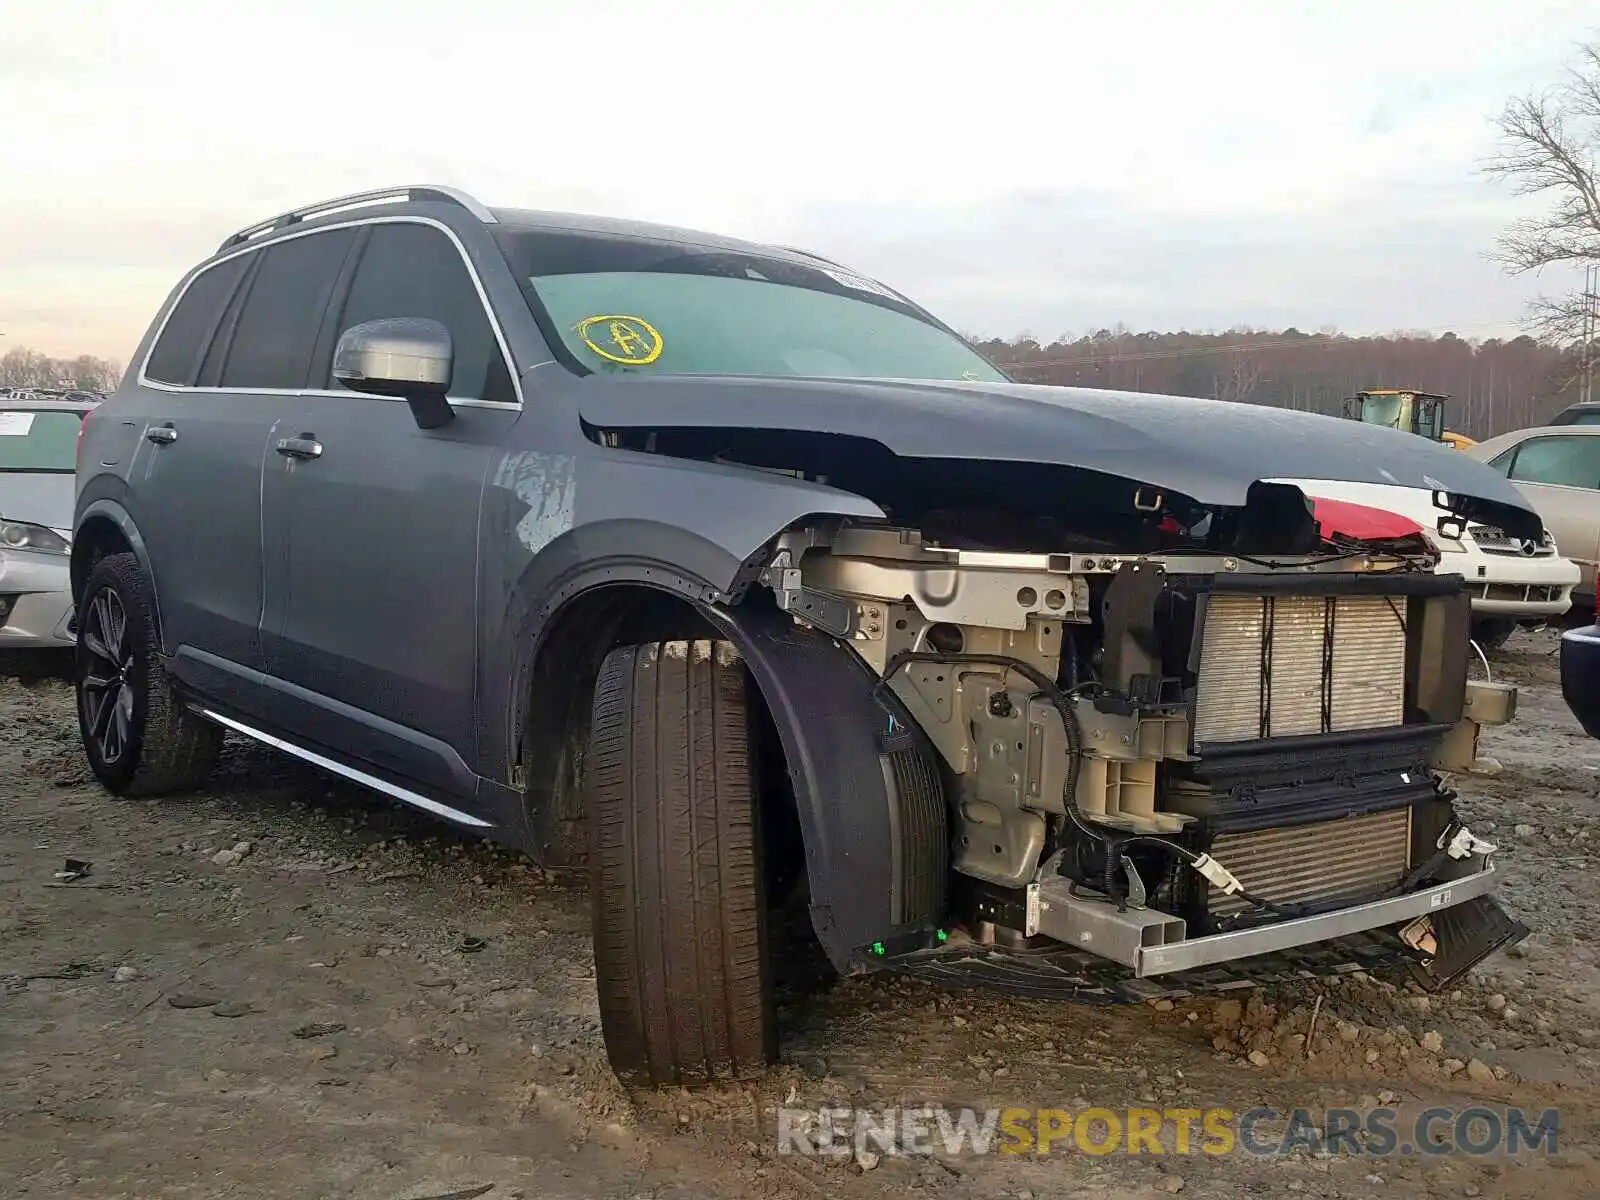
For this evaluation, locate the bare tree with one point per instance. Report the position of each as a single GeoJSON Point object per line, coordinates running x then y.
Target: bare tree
{"type": "Point", "coordinates": [22, 367]}
{"type": "Point", "coordinates": [92, 374]}
{"type": "Point", "coordinates": [1550, 146]}
{"type": "Point", "coordinates": [1244, 375]}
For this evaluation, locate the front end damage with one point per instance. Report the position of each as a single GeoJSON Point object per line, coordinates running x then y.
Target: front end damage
{"type": "Point", "coordinates": [1171, 758]}
{"type": "Point", "coordinates": [1140, 711]}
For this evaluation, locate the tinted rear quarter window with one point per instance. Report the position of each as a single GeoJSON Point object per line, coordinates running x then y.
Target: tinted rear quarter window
{"type": "Point", "coordinates": [413, 270]}
{"type": "Point", "coordinates": [271, 346]}
{"type": "Point", "coordinates": [210, 374]}
{"type": "Point", "coordinates": [189, 327]}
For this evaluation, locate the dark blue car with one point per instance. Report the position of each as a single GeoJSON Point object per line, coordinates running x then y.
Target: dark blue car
{"type": "Point", "coordinates": [1580, 675]}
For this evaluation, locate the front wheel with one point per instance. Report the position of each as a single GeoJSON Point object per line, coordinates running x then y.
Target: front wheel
{"type": "Point", "coordinates": [1491, 633]}
{"type": "Point", "coordinates": [675, 868]}
{"type": "Point", "coordinates": [140, 741]}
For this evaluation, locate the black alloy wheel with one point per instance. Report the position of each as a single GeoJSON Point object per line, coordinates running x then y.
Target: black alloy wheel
{"type": "Point", "coordinates": [105, 691]}
{"type": "Point", "coordinates": [140, 737]}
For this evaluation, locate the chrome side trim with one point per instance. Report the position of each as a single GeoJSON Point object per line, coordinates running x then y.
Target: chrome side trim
{"type": "Point", "coordinates": [413, 191]}
{"type": "Point", "coordinates": [346, 394]}
{"type": "Point", "coordinates": [253, 247]}
{"type": "Point", "coordinates": [1227, 947]}
{"type": "Point", "coordinates": [361, 777]}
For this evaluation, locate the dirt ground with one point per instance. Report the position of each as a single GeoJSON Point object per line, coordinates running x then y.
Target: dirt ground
{"type": "Point", "coordinates": [382, 1010]}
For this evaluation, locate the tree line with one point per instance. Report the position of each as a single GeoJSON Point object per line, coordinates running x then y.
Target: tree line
{"type": "Point", "coordinates": [22, 367]}
{"type": "Point", "coordinates": [1495, 385]}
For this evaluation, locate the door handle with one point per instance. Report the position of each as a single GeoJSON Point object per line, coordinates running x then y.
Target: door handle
{"type": "Point", "coordinates": [162, 435]}
{"type": "Point", "coordinates": [304, 446]}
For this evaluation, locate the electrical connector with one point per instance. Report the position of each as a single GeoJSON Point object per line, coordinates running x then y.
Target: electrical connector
{"type": "Point", "coordinates": [1464, 843]}
{"type": "Point", "coordinates": [1218, 874]}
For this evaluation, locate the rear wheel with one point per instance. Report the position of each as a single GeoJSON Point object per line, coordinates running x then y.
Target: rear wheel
{"type": "Point", "coordinates": [139, 739]}
{"type": "Point", "coordinates": [675, 867]}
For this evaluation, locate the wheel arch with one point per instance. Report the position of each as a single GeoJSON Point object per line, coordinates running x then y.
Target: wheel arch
{"type": "Point", "coordinates": [866, 791]}
{"type": "Point", "coordinates": [104, 527]}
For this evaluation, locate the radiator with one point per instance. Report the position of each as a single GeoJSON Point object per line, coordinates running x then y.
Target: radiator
{"type": "Point", "coordinates": [1328, 860]}
{"type": "Point", "coordinates": [1275, 666]}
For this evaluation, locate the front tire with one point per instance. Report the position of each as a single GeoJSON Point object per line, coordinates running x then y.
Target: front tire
{"type": "Point", "coordinates": [140, 741]}
{"type": "Point", "coordinates": [675, 868]}
{"type": "Point", "coordinates": [1491, 633]}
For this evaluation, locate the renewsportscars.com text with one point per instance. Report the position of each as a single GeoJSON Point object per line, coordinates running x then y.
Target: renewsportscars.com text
{"type": "Point", "coordinates": [1375, 1132]}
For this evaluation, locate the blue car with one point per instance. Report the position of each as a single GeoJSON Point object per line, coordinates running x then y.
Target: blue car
{"type": "Point", "coordinates": [1580, 675]}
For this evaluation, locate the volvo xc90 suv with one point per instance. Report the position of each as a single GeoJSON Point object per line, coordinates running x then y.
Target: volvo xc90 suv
{"type": "Point", "coordinates": [732, 575]}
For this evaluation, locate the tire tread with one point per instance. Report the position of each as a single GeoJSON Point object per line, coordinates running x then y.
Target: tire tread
{"type": "Point", "coordinates": [684, 986]}
{"type": "Point", "coordinates": [174, 749]}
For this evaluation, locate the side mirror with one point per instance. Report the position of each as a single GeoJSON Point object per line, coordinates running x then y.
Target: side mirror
{"type": "Point", "coordinates": [408, 357]}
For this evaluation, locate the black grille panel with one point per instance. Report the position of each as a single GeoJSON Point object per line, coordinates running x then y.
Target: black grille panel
{"type": "Point", "coordinates": [923, 852]}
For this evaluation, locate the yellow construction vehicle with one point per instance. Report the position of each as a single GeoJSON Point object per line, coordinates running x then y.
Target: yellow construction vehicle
{"type": "Point", "coordinates": [1417, 412]}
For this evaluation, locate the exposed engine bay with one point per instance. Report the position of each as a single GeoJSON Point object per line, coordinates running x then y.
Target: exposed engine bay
{"type": "Point", "coordinates": [1146, 750]}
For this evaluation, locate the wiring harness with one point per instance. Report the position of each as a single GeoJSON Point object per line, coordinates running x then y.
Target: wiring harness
{"type": "Point", "coordinates": [1116, 842]}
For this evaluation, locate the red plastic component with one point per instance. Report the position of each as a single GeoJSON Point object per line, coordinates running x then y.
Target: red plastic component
{"type": "Point", "coordinates": [1361, 522]}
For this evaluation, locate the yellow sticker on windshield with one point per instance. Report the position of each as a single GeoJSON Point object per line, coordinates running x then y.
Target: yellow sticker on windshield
{"type": "Point", "coordinates": [632, 341]}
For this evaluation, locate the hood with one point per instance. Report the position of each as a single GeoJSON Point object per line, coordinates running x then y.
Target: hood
{"type": "Point", "coordinates": [1210, 451]}
{"type": "Point", "coordinates": [39, 498]}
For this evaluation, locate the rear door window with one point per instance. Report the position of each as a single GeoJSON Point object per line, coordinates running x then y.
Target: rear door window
{"type": "Point", "coordinates": [277, 327]}
{"type": "Point", "coordinates": [1559, 461]}
{"type": "Point", "coordinates": [414, 270]}
{"type": "Point", "coordinates": [189, 328]}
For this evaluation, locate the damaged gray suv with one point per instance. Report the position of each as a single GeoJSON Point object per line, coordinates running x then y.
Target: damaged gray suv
{"type": "Point", "coordinates": [732, 576]}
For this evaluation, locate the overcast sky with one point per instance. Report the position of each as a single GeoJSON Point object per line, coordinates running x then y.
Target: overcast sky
{"type": "Point", "coordinates": [1042, 166]}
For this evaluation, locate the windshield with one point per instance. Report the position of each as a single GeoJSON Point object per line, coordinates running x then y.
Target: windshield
{"type": "Point", "coordinates": [651, 306]}
{"type": "Point", "coordinates": [1382, 410]}
{"type": "Point", "coordinates": [38, 441]}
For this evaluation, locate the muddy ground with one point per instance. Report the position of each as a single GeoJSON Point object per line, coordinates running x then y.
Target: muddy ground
{"type": "Point", "coordinates": [385, 1011]}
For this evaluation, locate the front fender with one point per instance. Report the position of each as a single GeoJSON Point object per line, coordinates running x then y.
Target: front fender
{"type": "Point", "coordinates": [558, 525]}
{"type": "Point", "coordinates": [622, 553]}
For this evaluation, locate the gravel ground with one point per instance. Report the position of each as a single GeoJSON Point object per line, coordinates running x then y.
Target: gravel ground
{"type": "Point", "coordinates": [282, 987]}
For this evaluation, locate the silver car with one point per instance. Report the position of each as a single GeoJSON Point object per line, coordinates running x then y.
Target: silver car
{"type": "Point", "coordinates": [38, 451]}
{"type": "Point", "coordinates": [1558, 469]}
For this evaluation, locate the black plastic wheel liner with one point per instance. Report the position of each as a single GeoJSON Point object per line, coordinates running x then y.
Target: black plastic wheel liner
{"type": "Point", "coordinates": [872, 814]}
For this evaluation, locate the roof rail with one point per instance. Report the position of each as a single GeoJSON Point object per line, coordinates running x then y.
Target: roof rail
{"type": "Point", "coordinates": [385, 195]}
{"type": "Point", "coordinates": [812, 254]}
